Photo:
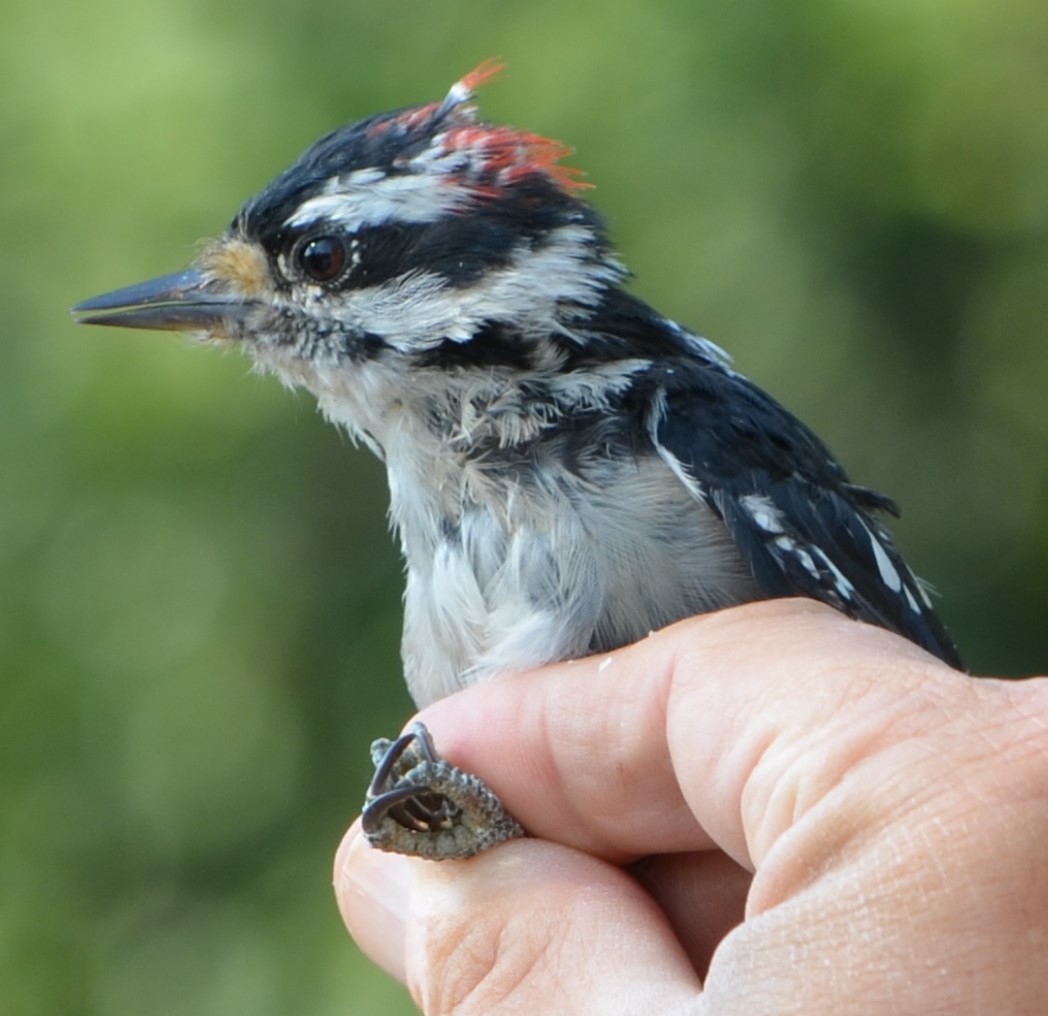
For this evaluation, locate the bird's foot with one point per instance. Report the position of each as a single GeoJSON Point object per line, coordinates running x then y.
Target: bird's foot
{"type": "Point", "coordinates": [420, 805]}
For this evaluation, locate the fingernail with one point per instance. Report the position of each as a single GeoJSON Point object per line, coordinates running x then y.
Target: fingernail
{"type": "Point", "coordinates": [373, 891]}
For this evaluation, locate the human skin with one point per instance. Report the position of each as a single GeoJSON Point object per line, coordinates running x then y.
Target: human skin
{"type": "Point", "coordinates": [830, 821]}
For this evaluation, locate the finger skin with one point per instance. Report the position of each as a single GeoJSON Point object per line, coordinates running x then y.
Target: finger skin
{"type": "Point", "coordinates": [894, 814]}
{"type": "Point", "coordinates": [703, 895]}
{"type": "Point", "coordinates": [595, 753]}
{"type": "Point", "coordinates": [525, 922]}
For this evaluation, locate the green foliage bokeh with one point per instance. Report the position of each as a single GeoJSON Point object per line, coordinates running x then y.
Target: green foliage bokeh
{"type": "Point", "coordinates": [200, 604]}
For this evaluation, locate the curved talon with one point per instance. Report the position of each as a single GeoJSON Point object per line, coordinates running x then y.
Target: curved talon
{"type": "Point", "coordinates": [386, 754]}
{"type": "Point", "coordinates": [420, 805]}
{"type": "Point", "coordinates": [425, 816]}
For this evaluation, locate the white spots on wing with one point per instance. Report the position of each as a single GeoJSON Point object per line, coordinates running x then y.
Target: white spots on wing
{"type": "Point", "coordinates": [913, 604]}
{"type": "Point", "coordinates": [793, 551]}
{"type": "Point", "coordinates": [764, 514]}
{"type": "Point", "coordinates": [898, 578]}
{"type": "Point", "coordinates": [889, 573]}
{"type": "Point", "coordinates": [845, 588]}
{"type": "Point", "coordinates": [769, 519]}
{"type": "Point", "coordinates": [816, 563]}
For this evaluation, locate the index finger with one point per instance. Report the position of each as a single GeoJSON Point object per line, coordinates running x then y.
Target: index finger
{"type": "Point", "coordinates": [711, 733]}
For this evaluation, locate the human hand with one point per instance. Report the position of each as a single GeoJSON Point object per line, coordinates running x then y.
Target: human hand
{"type": "Point", "coordinates": [831, 821]}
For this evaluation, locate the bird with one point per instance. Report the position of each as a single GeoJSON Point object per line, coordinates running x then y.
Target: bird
{"type": "Point", "coordinates": [568, 468]}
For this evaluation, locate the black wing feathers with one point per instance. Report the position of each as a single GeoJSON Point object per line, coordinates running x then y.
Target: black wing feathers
{"type": "Point", "coordinates": [801, 525]}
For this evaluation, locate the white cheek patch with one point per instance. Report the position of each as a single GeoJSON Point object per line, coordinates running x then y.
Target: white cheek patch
{"type": "Point", "coordinates": [419, 310]}
{"type": "Point", "coordinates": [414, 304]}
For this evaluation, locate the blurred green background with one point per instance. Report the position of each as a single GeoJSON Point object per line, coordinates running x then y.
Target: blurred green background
{"type": "Point", "coordinates": [200, 604]}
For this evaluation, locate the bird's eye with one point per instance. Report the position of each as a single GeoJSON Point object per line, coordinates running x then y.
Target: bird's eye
{"type": "Point", "coordinates": [323, 258]}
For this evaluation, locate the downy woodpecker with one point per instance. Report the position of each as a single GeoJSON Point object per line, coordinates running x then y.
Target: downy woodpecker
{"type": "Point", "coordinates": [568, 469]}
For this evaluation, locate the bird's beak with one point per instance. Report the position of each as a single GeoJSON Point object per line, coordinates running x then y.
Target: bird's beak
{"type": "Point", "coordinates": [186, 301]}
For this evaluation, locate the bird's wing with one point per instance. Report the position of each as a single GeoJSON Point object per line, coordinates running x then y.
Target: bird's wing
{"type": "Point", "coordinates": [801, 526]}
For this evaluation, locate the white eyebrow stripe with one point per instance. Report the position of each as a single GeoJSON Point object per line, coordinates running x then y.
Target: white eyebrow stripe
{"type": "Point", "coordinates": [367, 197]}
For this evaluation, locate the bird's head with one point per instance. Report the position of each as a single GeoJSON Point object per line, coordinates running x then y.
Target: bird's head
{"type": "Point", "coordinates": [420, 238]}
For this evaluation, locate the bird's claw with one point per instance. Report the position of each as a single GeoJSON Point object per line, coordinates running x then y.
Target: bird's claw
{"type": "Point", "coordinates": [420, 805]}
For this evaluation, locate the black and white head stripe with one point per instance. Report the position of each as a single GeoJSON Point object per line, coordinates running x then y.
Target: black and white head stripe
{"type": "Point", "coordinates": [411, 166]}
{"type": "Point", "coordinates": [439, 225]}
